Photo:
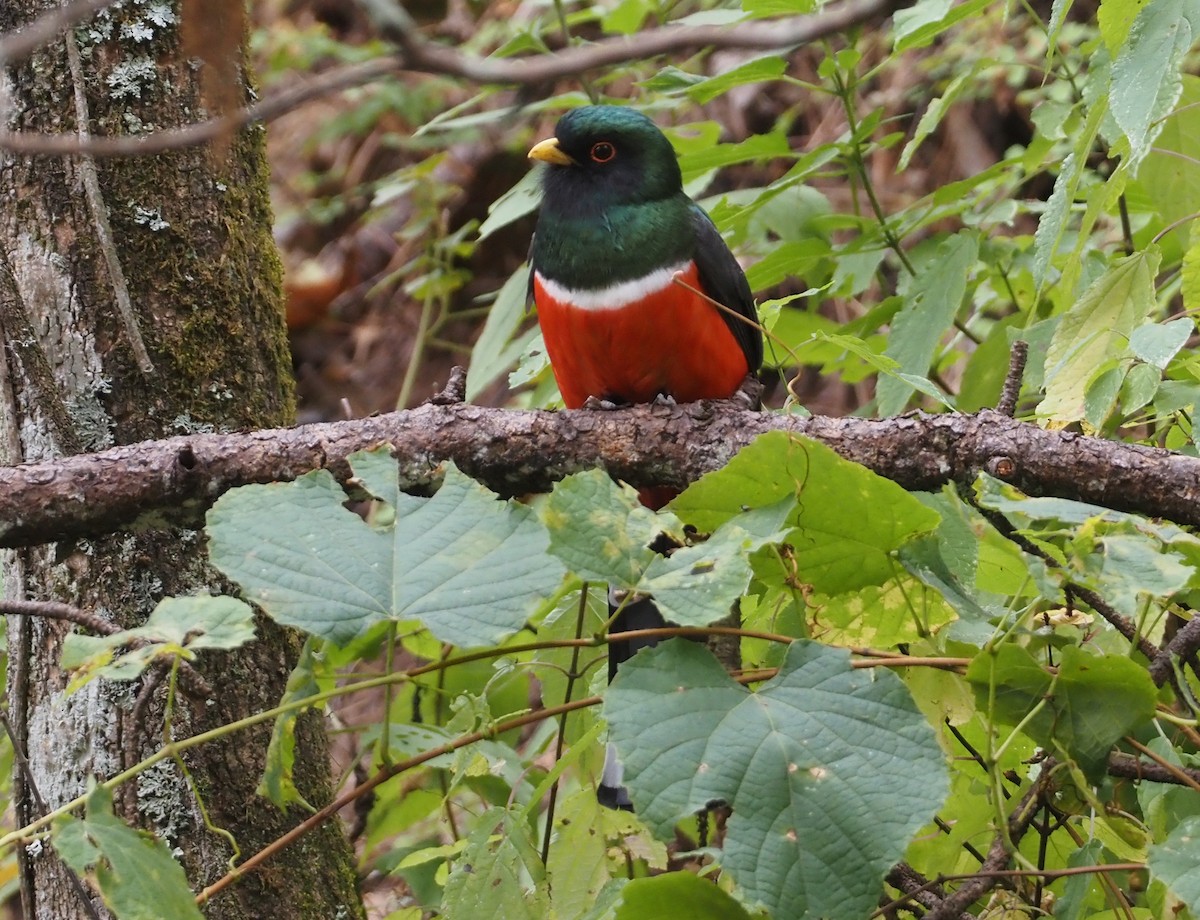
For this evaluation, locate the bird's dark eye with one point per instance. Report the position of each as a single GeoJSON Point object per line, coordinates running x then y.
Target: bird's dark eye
{"type": "Point", "coordinates": [602, 152]}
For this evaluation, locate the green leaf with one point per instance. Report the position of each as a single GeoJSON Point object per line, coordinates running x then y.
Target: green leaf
{"type": "Point", "coordinates": [1158, 343]}
{"type": "Point", "coordinates": [278, 780]}
{"type": "Point", "coordinates": [1095, 330]}
{"type": "Point", "coordinates": [599, 529]}
{"type": "Point", "coordinates": [1145, 74]}
{"type": "Point", "coordinates": [1169, 174]}
{"type": "Point", "coordinates": [1191, 277]}
{"type": "Point", "coordinates": [846, 521]}
{"type": "Point", "coordinates": [676, 895]}
{"type": "Point", "coordinates": [824, 766]}
{"type": "Point", "coordinates": [626, 17]}
{"type": "Point", "coordinates": [466, 566]}
{"type": "Point", "coordinates": [763, 8]}
{"type": "Point", "coordinates": [1101, 396]}
{"type": "Point", "coordinates": [523, 198]}
{"type": "Point", "coordinates": [497, 350]}
{"type": "Point", "coordinates": [499, 874]}
{"type": "Point", "coordinates": [178, 626]}
{"type": "Point", "coordinates": [1082, 710]}
{"type": "Point", "coordinates": [849, 521]}
{"type": "Point", "coordinates": [137, 877]}
{"type": "Point", "coordinates": [578, 867]}
{"type": "Point", "coordinates": [697, 585]}
{"type": "Point", "coordinates": [919, 24]}
{"type": "Point", "coordinates": [755, 147]}
{"type": "Point", "coordinates": [1116, 19]}
{"type": "Point", "coordinates": [772, 468]}
{"type": "Point", "coordinates": [1053, 222]}
{"type": "Point", "coordinates": [1176, 862]}
{"type": "Point", "coordinates": [756, 70]}
{"type": "Point", "coordinates": [936, 110]}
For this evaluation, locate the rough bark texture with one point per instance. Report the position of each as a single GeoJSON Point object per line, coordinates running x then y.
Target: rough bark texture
{"type": "Point", "coordinates": [139, 486]}
{"type": "Point", "coordinates": [192, 234]}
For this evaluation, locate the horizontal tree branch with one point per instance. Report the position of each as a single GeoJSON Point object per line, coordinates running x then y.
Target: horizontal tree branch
{"type": "Point", "coordinates": [517, 451]}
{"type": "Point", "coordinates": [417, 54]}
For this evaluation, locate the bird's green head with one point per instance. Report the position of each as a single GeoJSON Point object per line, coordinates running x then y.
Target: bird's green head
{"type": "Point", "coordinates": [607, 155]}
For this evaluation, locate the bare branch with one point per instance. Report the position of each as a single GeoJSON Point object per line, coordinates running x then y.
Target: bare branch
{"type": "Point", "coordinates": [420, 55]}
{"type": "Point", "coordinates": [396, 26]}
{"type": "Point", "coordinates": [277, 104]}
{"type": "Point", "coordinates": [515, 452]}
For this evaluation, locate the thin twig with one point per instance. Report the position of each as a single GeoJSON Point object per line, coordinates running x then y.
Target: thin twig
{"type": "Point", "coordinates": [1012, 380]}
{"type": "Point", "coordinates": [560, 744]}
{"type": "Point", "coordinates": [95, 200]}
{"type": "Point", "coordinates": [55, 611]}
{"type": "Point", "coordinates": [324, 814]}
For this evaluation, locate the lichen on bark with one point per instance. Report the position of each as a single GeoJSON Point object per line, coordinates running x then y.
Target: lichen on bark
{"type": "Point", "coordinates": [192, 231]}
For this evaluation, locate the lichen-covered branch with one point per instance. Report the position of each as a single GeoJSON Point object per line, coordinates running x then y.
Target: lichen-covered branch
{"type": "Point", "coordinates": [515, 452]}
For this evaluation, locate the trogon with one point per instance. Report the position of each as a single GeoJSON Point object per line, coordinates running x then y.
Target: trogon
{"type": "Point", "coordinates": [618, 257]}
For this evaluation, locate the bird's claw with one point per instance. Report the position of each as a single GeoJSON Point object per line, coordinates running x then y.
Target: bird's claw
{"type": "Point", "coordinates": [749, 394]}
{"type": "Point", "coordinates": [604, 405]}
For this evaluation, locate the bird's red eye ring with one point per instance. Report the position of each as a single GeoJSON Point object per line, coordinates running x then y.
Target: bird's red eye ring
{"type": "Point", "coordinates": [603, 152]}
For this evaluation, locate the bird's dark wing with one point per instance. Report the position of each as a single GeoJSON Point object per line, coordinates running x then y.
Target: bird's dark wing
{"type": "Point", "coordinates": [724, 281]}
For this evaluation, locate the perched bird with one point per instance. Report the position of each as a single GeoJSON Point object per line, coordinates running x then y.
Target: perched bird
{"type": "Point", "coordinates": [627, 275]}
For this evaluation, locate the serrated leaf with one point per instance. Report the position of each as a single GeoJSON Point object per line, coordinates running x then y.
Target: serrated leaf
{"type": "Point", "coordinates": [1094, 331]}
{"type": "Point", "coordinates": [824, 766]}
{"type": "Point", "coordinates": [137, 877]}
{"type": "Point", "coordinates": [465, 565]}
{"type": "Point", "coordinates": [677, 894]}
{"type": "Point", "coordinates": [1090, 703]}
{"type": "Point", "coordinates": [578, 867]}
{"type": "Point", "coordinates": [849, 522]}
{"type": "Point", "coordinates": [1145, 73]}
{"type": "Point", "coordinates": [1116, 19]}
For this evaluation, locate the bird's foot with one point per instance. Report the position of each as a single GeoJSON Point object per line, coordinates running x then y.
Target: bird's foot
{"type": "Point", "coordinates": [604, 405]}
{"type": "Point", "coordinates": [749, 394]}
{"type": "Point", "coordinates": [664, 399]}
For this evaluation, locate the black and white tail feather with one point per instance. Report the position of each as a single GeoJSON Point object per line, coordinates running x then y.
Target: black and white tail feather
{"type": "Point", "coordinates": [638, 613]}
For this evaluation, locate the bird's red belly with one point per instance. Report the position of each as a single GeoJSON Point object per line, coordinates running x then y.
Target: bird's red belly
{"type": "Point", "coordinates": [671, 342]}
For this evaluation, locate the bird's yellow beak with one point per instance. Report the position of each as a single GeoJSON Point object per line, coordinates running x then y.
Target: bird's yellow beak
{"type": "Point", "coordinates": [548, 151]}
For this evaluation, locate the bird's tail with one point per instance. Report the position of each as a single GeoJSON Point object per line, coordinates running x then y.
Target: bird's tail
{"type": "Point", "coordinates": [637, 613]}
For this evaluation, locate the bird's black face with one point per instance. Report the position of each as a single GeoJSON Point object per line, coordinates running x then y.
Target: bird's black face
{"type": "Point", "coordinates": [603, 156]}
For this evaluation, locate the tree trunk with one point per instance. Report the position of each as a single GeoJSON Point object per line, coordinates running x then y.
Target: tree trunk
{"type": "Point", "coordinates": [191, 231]}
